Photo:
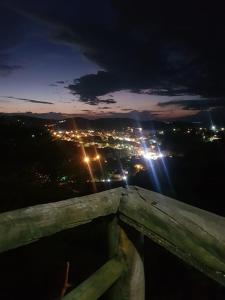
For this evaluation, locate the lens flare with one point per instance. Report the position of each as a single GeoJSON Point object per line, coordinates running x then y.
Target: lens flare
{"type": "Point", "coordinates": [87, 162]}
{"type": "Point", "coordinates": [86, 159]}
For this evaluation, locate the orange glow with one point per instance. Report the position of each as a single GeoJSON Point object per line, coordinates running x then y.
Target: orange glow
{"type": "Point", "coordinates": [86, 159]}
{"type": "Point", "coordinates": [139, 167]}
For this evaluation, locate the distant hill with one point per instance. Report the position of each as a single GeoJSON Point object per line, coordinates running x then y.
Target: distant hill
{"type": "Point", "coordinates": [82, 123]}
{"type": "Point", "coordinates": [104, 123]}
{"type": "Point", "coordinates": [213, 116]}
{"type": "Point", "coordinates": [110, 123]}
{"type": "Point", "coordinates": [25, 120]}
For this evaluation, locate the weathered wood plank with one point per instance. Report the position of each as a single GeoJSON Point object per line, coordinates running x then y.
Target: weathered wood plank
{"type": "Point", "coordinates": [131, 284]}
{"type": "Point", "coordinates": [24, 226]}
{"type": "Point", "coordinates": [195, 235]}
{"type": "Point", "coordinates": [113, 237]}
{"type": "Point", "coordinates": [98, 283]}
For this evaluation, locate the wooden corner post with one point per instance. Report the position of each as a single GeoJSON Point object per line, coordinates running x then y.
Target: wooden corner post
{"type": "Point", "coordinates": [131, 284]}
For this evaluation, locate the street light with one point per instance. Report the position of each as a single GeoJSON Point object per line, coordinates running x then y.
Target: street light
{"type": "Point", "coordinates": [86, 159]}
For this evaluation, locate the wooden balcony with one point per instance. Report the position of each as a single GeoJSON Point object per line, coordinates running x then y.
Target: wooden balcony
{"type": "Point", "coordinates": [194, 235]}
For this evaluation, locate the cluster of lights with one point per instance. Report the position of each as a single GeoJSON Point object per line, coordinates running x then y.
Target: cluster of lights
{"type": "Point", "coordinates": [152, 155]}
{"type": "Point", "coordinates": [214, 128]}
{"type": "Point", "coordinates": [124, 178]}
{"type": "Point", "coordinates": [139, 167]}
{"type": "Point", "coordinates": [128, 140]}
{"type": "Point", "coordinates": [87, 159]}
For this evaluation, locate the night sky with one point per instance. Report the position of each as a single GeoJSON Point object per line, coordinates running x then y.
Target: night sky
{"type": "Point", "coordinates": [145, 59]}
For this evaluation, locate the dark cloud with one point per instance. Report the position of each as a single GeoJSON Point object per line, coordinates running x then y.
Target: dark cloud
{"type": "Point", "coordinates": [60, 82]}
{"type": "Point", "coordinates": [126, 109]}
{"type": "Point", "coordinates": [95, 100]}
{"type": "Point", "coordinates": [5, 70]}
{"type": "Point", "coordinates": [156, 47]}
{"type": "Point", "coordinates": [12, 31]}
{"type": "Point", "coordinates": [107, 101]}
{"type": "Point", "coordinates": [170, 48]}
{"type": "Point", "coordinates": [12, 28]}
{"type": "Point", "coordinates": [104, 107]}
{"type": "Point", "coordinates": [27, 100]}
{"type": "Point", "coordinates": [91, 86]}
{"type": "Point", "coordinates": [198, 104]}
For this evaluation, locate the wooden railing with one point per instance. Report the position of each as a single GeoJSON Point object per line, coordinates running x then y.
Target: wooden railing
{"type": "Point", "coordinates": [194, 235]}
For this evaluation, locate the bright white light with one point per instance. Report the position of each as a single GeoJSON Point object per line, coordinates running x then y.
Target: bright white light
{"type": "Point", "coordinates": [213, 127]}
{"type": "Point", "coordinates": [125, 178]}
{"type": "Point", "coordinates": [148, 155]}
{"type": "Point", "coordinates": [152, 155]}
{"type": "Point", "coordinates": [108, 180]}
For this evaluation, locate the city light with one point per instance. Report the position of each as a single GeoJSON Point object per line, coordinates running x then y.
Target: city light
{"type": "Point", "coordinates": [152, 155]}
{"type": "Point", "coordinates": [145, 147]}
{"type": "Point", "coordinates": [139, 167]}
{"type": "Point", "coordinates": [86, 159]}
